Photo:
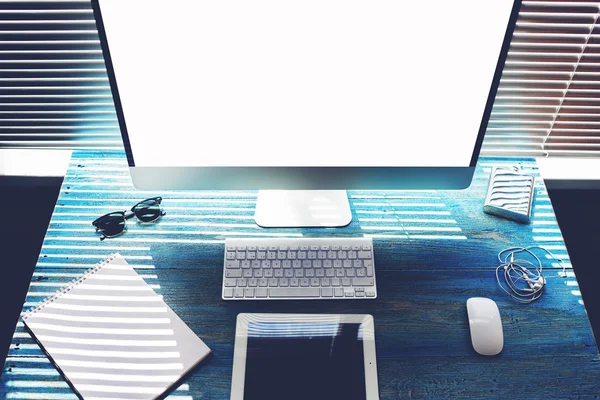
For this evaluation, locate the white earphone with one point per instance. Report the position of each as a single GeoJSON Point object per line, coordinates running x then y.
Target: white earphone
{"type": "Point", "coordinates": [523, 279]}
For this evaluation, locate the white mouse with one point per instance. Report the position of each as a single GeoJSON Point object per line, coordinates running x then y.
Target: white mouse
{"type": "Point", "coordinates": [486, 326]}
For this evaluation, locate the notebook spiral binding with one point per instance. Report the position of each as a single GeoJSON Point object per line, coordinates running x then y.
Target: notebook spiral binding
{"type": "Point", "coordinates": [69, 286]}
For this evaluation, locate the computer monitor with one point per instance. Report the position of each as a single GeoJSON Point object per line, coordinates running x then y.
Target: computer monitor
{"type": "Point", "coordinates": [305, 96]}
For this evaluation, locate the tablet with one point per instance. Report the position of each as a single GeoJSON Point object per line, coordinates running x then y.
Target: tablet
{"type": "Point", "coordinates": [304, 356]}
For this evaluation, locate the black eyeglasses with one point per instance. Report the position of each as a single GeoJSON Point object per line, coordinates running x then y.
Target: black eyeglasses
{"type": "Point", "coordinates": [113, 224]}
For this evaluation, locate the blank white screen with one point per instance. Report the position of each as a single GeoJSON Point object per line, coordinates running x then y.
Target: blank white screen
{"type": "Point", "coordinates": [304, 82]}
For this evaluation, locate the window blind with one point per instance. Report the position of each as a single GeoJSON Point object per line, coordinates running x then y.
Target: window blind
{"type": "Point", "coordinates": [54, 92]}
{"type": "Point", "coordinates": [548, 101]}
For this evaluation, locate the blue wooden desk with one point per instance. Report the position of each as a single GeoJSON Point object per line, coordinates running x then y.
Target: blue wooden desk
{"type": "Point", "coordinates": [433, 250]}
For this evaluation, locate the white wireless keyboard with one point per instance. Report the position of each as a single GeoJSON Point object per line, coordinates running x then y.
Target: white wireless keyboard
{"type": "Point", "coordinates": [299, 268]}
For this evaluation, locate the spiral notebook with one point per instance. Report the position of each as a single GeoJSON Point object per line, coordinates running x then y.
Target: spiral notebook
{"type": "Point", "coordinates": [113, 337]}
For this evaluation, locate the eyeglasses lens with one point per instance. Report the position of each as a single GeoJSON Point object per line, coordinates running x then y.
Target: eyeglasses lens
{"type": "Point", "coordinates": [112, 224]}
{"type": "Point", "coordinates": [147, 210]}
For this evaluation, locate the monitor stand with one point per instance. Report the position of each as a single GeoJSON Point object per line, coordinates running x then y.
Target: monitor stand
{"type": "Point", "coordinates": [302, 208]}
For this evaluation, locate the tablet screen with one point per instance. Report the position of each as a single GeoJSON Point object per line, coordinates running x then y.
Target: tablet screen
{"type": "Point", "coordinates": [304, 361]}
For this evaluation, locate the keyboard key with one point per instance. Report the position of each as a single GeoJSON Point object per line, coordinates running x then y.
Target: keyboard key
{"type": "Point", "coordinates": [273, 282]}
{"type": "Point", "coordinates": [304, 282]}
{"type": "Point", "coordinates": [369, 267]}
{"type": "Point", "coordinates": [346, 282]}
{"type": "Point", "coordinates": [314, 282]}
{"type": "Point", "coordinates": [242, 282]}
{"type": "Point", "coordinates": [232, 264]}
{"type": "Point", "coordinates": [363, 281]}
{"type": "Point", "coordinates": [335, 282]}
{"type": "Point", "coordinates": [230, 255]}
{"type": "Point", "coordinates": [370, 293]}
{"type": "Point", "coordinates": [263, 282]}
{"type": "Point", "coordinates": [327, 292]}
{"type": "Point", "coordinates": [261, 292]}
{"type": "Point", "coordinates": [249, 292]}
{"type": "Point", "coordinates": [240, 255]}
{"type": "Point", "coordinates": [250, 255]}
{"type": "Point", "coordinates": [294, 292]}
{"type": "Point", "coordinates": [284, 282]}
{"type": "Point", "coordinates": [228, 292]}
{"type": "Point", "coordinates": [239, 292]}
{"type": "Point", "coordinates": [338, 292]}
{"type": "Point", "coordinates": [294, 282]}
{"type": "Point", "coordinates": [252, 282]}
{"type": "Point", "coordinates": [233, 273]}
{"type": "Point", "coordinates": [364, 254]}
{"type": "Point", "coordinates": [247, 273]}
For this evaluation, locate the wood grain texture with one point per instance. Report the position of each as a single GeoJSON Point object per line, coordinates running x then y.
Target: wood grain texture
{"type": "Point", "coordinates": [433, 250]}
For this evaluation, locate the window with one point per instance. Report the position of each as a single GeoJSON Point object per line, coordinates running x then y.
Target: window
{"type": "Point", "coordinates": [54, 92]}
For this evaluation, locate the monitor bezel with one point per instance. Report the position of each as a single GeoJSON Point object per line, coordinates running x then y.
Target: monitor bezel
{"type": "Point", "coordinates": [304, 178]}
